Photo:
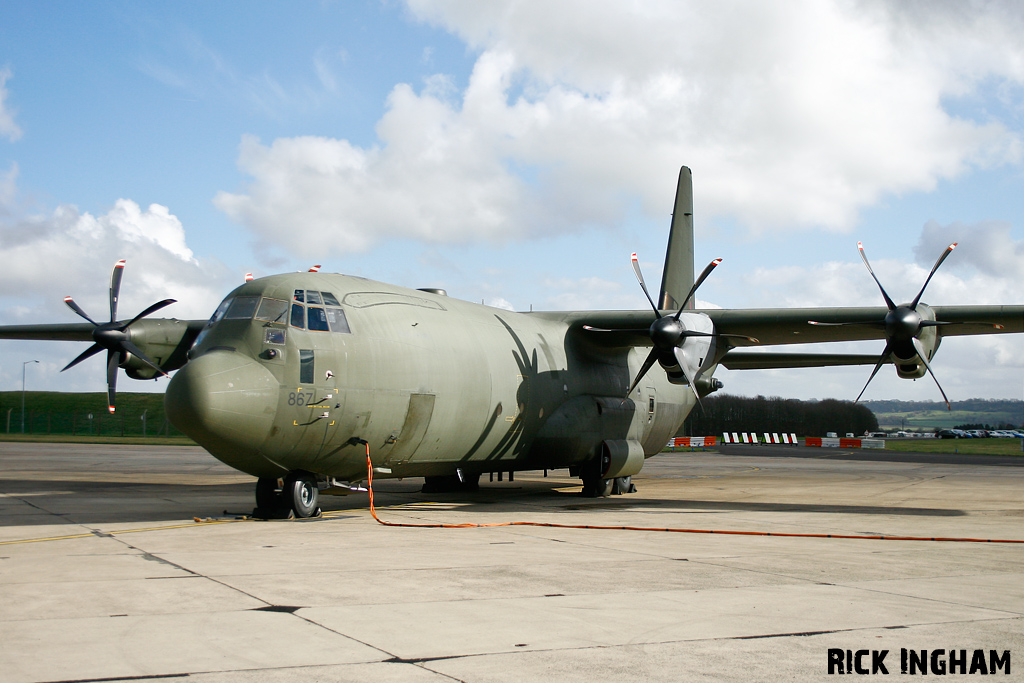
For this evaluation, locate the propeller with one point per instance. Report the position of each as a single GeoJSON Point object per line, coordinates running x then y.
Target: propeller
{"type": "Point", "coordinates": [903, 325]}
{"type": "Point", "coordinates": [669, 333]}
{"type": "Point", "coordinates": [114, 336]}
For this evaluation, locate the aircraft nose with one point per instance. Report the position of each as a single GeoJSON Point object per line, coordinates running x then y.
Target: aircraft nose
{"type": "Point", "coordinates": [226, 402]}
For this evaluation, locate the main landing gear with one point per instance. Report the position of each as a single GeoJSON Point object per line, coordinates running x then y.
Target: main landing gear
{"type": "Point", "coordinates": [596, 486]}
{"type": "Point", "coordinates": [296, 495]}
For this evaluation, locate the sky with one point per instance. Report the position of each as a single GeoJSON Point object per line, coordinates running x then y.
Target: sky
{"type": "Point", "coordinates": [516, 152]}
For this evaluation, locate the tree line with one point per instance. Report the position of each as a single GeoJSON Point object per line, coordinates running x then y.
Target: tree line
{"type": "Point", "coordinates": [728, 413]}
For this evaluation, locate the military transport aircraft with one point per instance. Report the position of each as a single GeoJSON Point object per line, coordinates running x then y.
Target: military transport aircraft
{"type": "Point", "coordinates": [296, 375]}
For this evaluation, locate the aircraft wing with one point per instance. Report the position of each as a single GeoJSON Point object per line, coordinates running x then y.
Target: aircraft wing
{"type": "Point", "coordinates": [772, 326]}
{"type": "Point", "coordinates": [775, 326]}
{"type": "Point", "coordinates": [51, 332]}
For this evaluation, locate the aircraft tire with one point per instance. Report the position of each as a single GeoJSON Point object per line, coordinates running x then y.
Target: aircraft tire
{"type": "Point", "coordinates": [301, 494]}
{"type": "Point", "coordinates": [623, 485]}
{"type": "Point", "coordinates": [597, 487]}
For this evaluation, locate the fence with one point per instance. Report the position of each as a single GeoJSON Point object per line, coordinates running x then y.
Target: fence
{"type": "Point", "coordinates": [121, 423]}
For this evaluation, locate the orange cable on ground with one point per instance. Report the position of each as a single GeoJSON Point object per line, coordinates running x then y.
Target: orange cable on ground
{"type": "Point", "coordinates": [373, 511]}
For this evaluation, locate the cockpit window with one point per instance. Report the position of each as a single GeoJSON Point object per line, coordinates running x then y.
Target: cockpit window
{"type": "Point", "coordinates": [299, 295]}
{"type": "Point", "coordinates": [312, 297]}
{"type": "Point", "coordinates": [272, 310]}
{"type": "Point", "coordinates": [298, 316]}
{"type": "Point", "coordinates": [329, 299]}
{"type": "Point", "coordinates": [339, 323]}
{"type": "Point", "coordinates": [214, 319]}
{"type": "Point", "coordinates": [317, 319]}
{"type": "Point", "coordinates": [242, 308]}
{"type": "Point", "coordinates": [219, 313]}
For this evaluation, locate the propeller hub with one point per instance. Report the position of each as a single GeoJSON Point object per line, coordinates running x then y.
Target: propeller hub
{"type": "Point", "coordinates": [109, 336]}
{"type": "Point", "coordinates": [667, 332]}
{"type": "Point", "coordinates": [902, 324]}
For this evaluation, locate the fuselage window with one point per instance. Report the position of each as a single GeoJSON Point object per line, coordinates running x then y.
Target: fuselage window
{"type": "Point", "coordinates": [312, 297]}
{"type": "Point", "coordinates": [317, 319]}
{"type": "Point", "coordinates": [299, 295]}
{"type": "Point", "coordinates": [275, 335]}
{"type": "Point", "coordinates": [339, 323]}
{"type": "Point", "coordinates": [306, 374]}
{"type": "Point", "coordinates": [272, 310]}
{"type": "Point", "coordinates": [242, 308]}
{"type": "Point", "coordinates": [298, 316]}
{"type": "Point", "coordinates": [330, 299]}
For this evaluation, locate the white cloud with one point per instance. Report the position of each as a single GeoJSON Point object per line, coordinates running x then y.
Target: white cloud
{"type": "Point", "coordinates": [792, 115]}
{"type": "Point", "coordinates": [503, 304]}
{"type": "Point", "coordinates": [8, 128]}
{"type": "Point", "coordinates": [48, 256]}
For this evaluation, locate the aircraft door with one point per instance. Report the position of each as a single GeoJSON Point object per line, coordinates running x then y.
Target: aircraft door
{"type": "Point", "coordinates": [417, 419]}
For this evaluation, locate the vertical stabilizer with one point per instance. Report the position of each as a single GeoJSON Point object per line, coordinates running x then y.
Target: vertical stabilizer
{"type": "Point", "coordinates": [678, 275]}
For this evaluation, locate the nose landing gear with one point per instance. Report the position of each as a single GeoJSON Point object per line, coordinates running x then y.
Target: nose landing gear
{"type": "Point", "coordinates": [296, 495]}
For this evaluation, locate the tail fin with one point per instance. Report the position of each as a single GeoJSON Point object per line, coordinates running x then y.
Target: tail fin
{"type": "Point", "coordinates": [678, 274]}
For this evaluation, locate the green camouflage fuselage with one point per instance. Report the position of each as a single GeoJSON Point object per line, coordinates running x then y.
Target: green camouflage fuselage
{"type": "Point", "coordinates": [432, 383]}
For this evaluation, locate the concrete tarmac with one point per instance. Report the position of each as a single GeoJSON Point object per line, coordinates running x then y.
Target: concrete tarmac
{"type": "Point", "coordinates": [105, 575]}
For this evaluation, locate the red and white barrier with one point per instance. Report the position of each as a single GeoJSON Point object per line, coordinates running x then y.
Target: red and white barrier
{"type": "Point", "coordinates": [692, 442]}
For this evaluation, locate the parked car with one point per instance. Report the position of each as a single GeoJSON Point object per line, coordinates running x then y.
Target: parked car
{"type": "Point", "coordinates": [977, 433]}
{"type": "Point", "coordinates": [948, 434]}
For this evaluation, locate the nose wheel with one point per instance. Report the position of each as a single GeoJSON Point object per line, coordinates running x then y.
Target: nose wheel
{"type": "Point", "coordinates": [297, 495]}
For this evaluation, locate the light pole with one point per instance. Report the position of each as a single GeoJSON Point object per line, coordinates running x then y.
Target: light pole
{"type": "Point", "coordinates": [24, 365]}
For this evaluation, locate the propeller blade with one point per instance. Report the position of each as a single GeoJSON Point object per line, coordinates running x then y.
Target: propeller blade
{"type": "Point", "coordinates": [703, 276]}
{"type": "Point", "coordinates": [695, 333]}
{"type": "Point", "coordinates": [888, 301]}
{"type": "Point", "coordinates": [869, 323]}
{"type": "Point", "coordinates": [938, 263]}
{"type": "Point", "coordinates": [878, 366]}
{"type": "Point", "coordinates": [115, 287]}
{"type": "Point", "coordinates": [78, 309]}
{"type": "Point", "coordinates": [681, 360]}
{"type": "Point", "coordinates": [135, 351]}
{"type": "Point", "coordinates": [88, 353]}
{"type": "Point", "coordinates": [152, 309]}
{"type": "Point", "coordinates": [590, 328]}
{"type": "Point", "coordinates": [648, 364]}
{"type": "Point", "coordinates": [112, 362]}
{"type": "Point", "coordinates": [924, 359]}
{"type": "Point", "coordinates": [643, 285]}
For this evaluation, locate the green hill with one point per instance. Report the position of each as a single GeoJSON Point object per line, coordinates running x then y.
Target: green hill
{"type": "Point", "coordinates": [930, 415]}
{"type": "Point", "coordinates": [49, 412]}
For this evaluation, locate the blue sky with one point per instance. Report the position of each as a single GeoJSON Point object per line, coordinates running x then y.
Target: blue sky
{"type": "Point", "coordinates": [516, 153]}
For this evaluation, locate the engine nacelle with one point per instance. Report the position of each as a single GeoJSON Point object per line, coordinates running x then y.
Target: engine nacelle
{"type": "Point", "coordinates": [911, 367]}
{"type": "Point", "coordinates": [621, 458]}
{"type": "Point", "coordinates": [698, 352]}
{"type": "Point", "coordinates": [166, 341]}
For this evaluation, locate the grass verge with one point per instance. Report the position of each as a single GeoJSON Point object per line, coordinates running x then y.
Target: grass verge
{"type": "Point", "coordinates": [967, 446]}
